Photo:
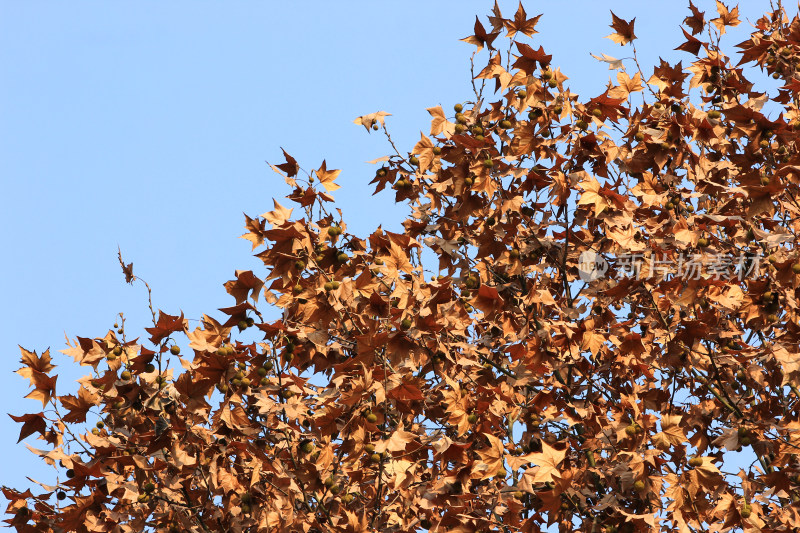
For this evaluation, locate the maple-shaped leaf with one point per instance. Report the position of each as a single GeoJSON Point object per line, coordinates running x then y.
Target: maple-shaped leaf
{"type": "Point", "coordinates": [529, 58]}
{"type": "Point", "coordinates": [44, 387]}
{"type": "Point", "coordinates": [669, 78]}
{"type": "Point", "coordinates": [127, 270]}
{"type": "Point", "coordinates": [487, 299]}
{"type": "Point", "coordinates": [373, 118]}
{"type": "Point", "coordinates": [671, 433]}
{"type": "Point", "coordinates": [623, 30]}
{"type": "Point", "coordinates": [727, 17]}
{"type": "Point", "coordinates": [14, 495]}
{"type": "Point", "coordinates": [480, 37]}
{"type": "Point", "coordinates": [522, 23]}
{"type": "Point", "coordinates": [492, 457]}
{"type": "Point", "coordinates": [496, 18]}
{"type": "Point", "coordinates": [31, 423]}
{"type": "Point", "coordinates": [625, 237]}
{"type": "Point", "coordinates": [79, 405]}
{"type": "Point", "coordinates": [277, 216]}
{"type": "Point", "coordinates": [400, 473]}
{"type": "Point", "coordinates": [439, 123]}
{"type": "Point", "coordinates": [85, 351]}
{"type": "Point", "coordinates": [424, 149]}
{"type": "Point", "coordinates": [592, 341]}
{"type": "Point", "coordinates": [193, 392]}
{"type": "Point", "coordinates": [627, 85]}
{"type": "Point", "coordinates": [235, 417]}
{"type": "Point", "coordinates": [209, 337]}
{"type": "Point", "coordinates": [692, 44]}
{"type": "Point", "coordinates": [165, 326]}
{"type": "Point", "coordinates": [696, 21]}
{"type": "Point", "coordinates": [34, 363]}
{"type": "Point", "coordinates": [591, 195]}
{"type": "Point", "coordinates": [326, 177]}
{"type": "Point", "coordinates": [405, 392]}
{"type": "Point", "coordinates": [705, 475]}
{"type": "Point", "coordinates": [397, 442]}
{"type": "Point", "coordinates": [686, 235]}
{"type": "Point", "coordinates": [398, 258]}
{"type": "Point", "coordinates": [546, 461]}
{"type": "Point", "coordinates": [242, 286]}
{"type": "Point", "coordinates": [495, 70]}
{"type": "Point", "coordinates": [290, 167]}
{"type": "Point", "coordinates": [257, 228]}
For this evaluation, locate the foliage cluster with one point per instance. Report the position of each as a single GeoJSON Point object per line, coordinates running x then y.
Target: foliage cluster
{"type": "Point", "coordinates": [505, 392]}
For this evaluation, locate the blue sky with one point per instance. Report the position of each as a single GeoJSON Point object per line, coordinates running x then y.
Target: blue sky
{"type": "Point", "coordinates": [146, 125]}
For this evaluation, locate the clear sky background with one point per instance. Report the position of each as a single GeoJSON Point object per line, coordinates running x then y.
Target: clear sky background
{"type": "Point", "coordinates": [146, 125]}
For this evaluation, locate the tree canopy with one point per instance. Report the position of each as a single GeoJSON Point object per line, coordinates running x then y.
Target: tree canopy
{"type": "Point", "coordinates": [589, 318]}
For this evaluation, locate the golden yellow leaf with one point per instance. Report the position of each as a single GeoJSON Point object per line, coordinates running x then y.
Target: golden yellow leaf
{"type": "Point", "coordinates": [627, 85]}
{"type": "Point", "coordinates": [279, 215]}
{"type": "Point", "coordinates": [326, 177]}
